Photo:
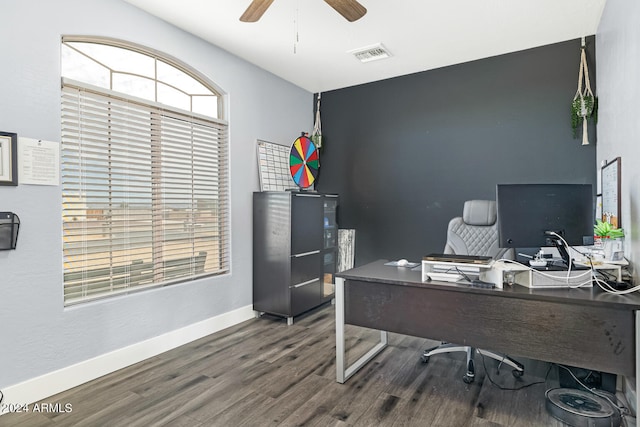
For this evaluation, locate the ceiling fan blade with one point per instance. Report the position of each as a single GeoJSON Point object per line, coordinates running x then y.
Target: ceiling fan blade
{"type": "Point", "coordinates": [255, 10]}
{"type": "Point", "coordinates": [350, 9]}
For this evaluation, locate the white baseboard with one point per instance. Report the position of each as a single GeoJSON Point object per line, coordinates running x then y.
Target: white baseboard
{"type": "Point", "coordinates": [39, 388]}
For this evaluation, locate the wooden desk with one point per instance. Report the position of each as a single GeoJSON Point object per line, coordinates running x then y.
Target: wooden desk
{"type": "Point", "coordinates": [579, 327]}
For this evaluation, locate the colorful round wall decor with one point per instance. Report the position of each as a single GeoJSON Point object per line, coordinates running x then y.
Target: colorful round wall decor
{"type": "Point", "coordinates": [304, 162]}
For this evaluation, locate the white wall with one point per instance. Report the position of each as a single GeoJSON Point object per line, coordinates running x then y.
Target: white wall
{"type": "Point", "coordinates": [618, 83]}
{"type": "Point", "coordinates": [38, 334]}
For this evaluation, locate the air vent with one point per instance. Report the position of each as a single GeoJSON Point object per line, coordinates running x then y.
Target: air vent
{"type": "Point", "coordinates": [371, 53]}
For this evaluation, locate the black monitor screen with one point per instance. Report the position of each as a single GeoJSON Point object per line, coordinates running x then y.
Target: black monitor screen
{"type": "Point", "coordinates": [526, 212]}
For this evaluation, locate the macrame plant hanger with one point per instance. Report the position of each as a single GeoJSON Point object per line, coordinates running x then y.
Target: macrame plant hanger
{"type": "Point", "coordinates": [584, 99]}
{"type": "Point", "coordinates": [316, 135]}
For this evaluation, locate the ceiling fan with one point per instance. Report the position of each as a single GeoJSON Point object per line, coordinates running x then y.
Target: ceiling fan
{"type": "Point", "coordinates": [351, 10]}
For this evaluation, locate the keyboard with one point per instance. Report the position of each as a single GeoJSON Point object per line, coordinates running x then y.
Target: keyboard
{"type": "Point", "coordinates": [465, 259]}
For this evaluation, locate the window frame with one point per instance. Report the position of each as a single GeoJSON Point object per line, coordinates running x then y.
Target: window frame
{"type": "Point", "coordinates": [156, 55]}
{"type": "Point", "coordinates": [222, 174]}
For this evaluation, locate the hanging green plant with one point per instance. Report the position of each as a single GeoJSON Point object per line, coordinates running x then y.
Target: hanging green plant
{"type": "Point", "coordinates": [316, 135]}
{"type": "Point", "coordinates": [584, 105]}
{"type": "Point", "coordinates": [581, 108]}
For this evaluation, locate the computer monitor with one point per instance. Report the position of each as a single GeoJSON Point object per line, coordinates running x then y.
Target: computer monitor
{"type": "Point", "coordinates": [528, 213]}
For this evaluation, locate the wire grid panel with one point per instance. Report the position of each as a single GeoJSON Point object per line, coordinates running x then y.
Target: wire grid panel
{"type": "Point", "coordinates": [273, 167]}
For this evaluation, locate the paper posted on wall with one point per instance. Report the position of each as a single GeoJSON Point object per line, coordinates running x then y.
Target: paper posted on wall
{"type": "Point", "coordinates": [38, 161]}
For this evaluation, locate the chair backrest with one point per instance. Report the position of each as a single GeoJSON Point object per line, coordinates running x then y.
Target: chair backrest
{"type": "Point", "coordinates": [476, 231]}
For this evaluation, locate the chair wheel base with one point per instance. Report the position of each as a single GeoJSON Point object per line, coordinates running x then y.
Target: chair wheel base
{"type": "Point", "coordinates": [471, 372]}
{"type": "Point", "coordinates": [469, 376]}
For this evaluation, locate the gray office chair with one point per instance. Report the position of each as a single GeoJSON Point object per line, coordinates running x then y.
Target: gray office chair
{"type": "Point", "coordinates": [475, 233]}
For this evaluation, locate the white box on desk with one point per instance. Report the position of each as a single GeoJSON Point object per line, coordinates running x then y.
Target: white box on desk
{"type": "Point", "coordinates": [495, 274]}
{"type": "Point", "coordinates": [438, 268]}
{"type": "Point", "coordinates": [559, 279]}
{"type": "Point", "coordinates": [526, 276]}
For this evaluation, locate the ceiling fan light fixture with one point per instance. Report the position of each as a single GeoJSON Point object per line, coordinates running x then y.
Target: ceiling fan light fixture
{"type": "Point", "coordinates": [371, 53]}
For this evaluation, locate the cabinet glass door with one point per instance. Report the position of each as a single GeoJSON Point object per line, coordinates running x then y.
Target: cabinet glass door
{"type": "Point", "coordinates": [330, 228]}
{"type": "Point", "coordinates": [329, 270]}
{"type": "Point", "coordinates": [330, 225]}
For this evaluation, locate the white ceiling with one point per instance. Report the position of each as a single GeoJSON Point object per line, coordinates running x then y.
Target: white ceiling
{"type": "Point", "coordinates": [306, 41]}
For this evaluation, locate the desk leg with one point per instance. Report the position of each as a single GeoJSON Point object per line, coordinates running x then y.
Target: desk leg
{"type": "Point", "coordinates": [343, 373]}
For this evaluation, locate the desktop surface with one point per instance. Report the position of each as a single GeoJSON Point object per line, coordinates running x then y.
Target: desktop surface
{"type": "Point", "coordinates": [378, 272]}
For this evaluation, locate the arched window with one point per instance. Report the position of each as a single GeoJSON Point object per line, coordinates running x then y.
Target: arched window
{"type": "Point", "coordinates": [144, 170]}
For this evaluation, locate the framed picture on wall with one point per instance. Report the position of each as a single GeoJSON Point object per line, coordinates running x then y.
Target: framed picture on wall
{"type": "Point", "coordinates": [611, 205]}
{"type": "Point", "coordinates": [8, 158]}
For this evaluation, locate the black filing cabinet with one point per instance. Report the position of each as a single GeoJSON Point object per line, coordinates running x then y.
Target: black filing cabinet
{"type": "Point", "coordinates": [294, 251]}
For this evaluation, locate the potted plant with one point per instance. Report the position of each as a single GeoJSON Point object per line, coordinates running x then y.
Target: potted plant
{"type": "Point", "coordinates": [605, 230]}
{"type": "Point", "coordinates": [584, 105]}
{"type": "Point", "coordinates": [608, 238]}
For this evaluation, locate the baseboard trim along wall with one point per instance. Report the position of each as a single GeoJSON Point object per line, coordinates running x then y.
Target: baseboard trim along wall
{"type": "Point", "coordinates": [39, 388]}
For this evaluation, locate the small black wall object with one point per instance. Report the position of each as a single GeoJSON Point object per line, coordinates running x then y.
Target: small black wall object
{"type": "Point", "coordinates": [9, 225]}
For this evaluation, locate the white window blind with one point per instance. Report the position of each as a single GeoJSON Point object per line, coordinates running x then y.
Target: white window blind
{"type": "Point", "coordinates": [145, 191]}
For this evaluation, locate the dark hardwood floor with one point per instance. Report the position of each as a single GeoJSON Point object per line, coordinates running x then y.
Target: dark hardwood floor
{"type": "Point", "coordinates": [263, 372]}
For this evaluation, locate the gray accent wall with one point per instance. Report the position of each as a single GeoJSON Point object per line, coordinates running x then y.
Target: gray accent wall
{"type": "Point", "coordinates": [405, 153]}
{"type": "Point", "coordinates": [39, 335]}
{"type": "Point", "coordinates": [618, 47]}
